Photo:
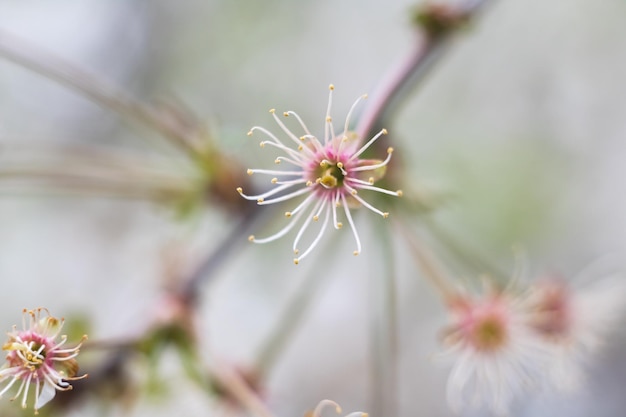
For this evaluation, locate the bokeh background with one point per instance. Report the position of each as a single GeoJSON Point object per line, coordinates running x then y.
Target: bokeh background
{"type": "Point", "coordinates": [522, 124]}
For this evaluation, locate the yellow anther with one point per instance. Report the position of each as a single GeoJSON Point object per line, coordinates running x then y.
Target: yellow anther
{"type": "Point", "coordinates": [296, 261]}
{"type": "Point", "coordinates": [272, 111]}
{"type": "Point", "coordinates": [400, 193]}
{"type": "Point", "coordinates": [285, 114]}
{"type": "Point", "coordinates": [318, 180]}
{"type": "Point", "coordinates": [339, 165]}
{"type": "Point", "coordinates": [251, 238]}
{"type": "Point", "coordinates": [300, 147]}
{"type": "Point", "coordinates": [356, 253]}
{"type": "Point", "coordinates": [365, 96]}
{"type": "Point", "coordinates": [309, 183]}
{"type": "Point", "coordinates": [324, 163]}
{"type": "Point", "coordinates": [249, 133]}
{"type": "Point", "coordinates": [296, 251]}
{"type": "Point", "coordinates": [390, 150]}
{"type": "Point", "coordinates": [250, 172]}
{"type": "Point", "coordinates": [287, 214]}
{"type": "Point", "coordinates": [262, 144]}
{"type": "Point", "coordinates": [274, 180]}
{"type": "Point", "coordinates": [316, 218]}
{"type": "Point", "coordinates": [329, 119]}
{"type": "Point", "coordinates": [353, 192]}
{"type": "Point", "coordinates": [239, 190]}
{"type": "Point", "coordinates": [384, 131]}
{"type": "Point", "coordinates": [331, 87]}
{"type": "Point", "coordinates": [385, 215]}
{"type": "Point", "coordinates": [339, 225]}
{"type": "Point", "coordinates": [329, 181]}
{"type": "Point", "coordinates": [370, 180]}
{"type": "Point", "coordinates": [277, 161]}
{"type": "Point", "coordinates": [302, 138]}
{"type": "Point", "coordinates": [260, 200]}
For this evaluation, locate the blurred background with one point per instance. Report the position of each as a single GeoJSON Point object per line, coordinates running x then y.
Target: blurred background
{"type": "Point", "coordinates": [521, 124]}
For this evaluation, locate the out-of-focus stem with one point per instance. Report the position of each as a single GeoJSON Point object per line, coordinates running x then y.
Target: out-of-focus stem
{"type": "Point", "coordinates": [158, 188]}
{"type": "Point", "coordinates": [293, 314]}
{"type": "Point", "coordinates": [430, 269]}
{"type": "Point", "coordinates": [108, 95]}
{"type": "Point", "coordinates": [428, 48]}
{"type": "Point", "coordinates": [206, 270]}
{"type": "Point", "coordinates": [384, 327]}
{"type": "Point", "coordinates": [240, 390]}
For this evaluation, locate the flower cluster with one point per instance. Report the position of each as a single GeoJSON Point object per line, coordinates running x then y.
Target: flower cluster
{"type": "Point", "coordinates": [508, 341]}
{"type": "Point", "coordinates": [330, 172]}
{"type": "Point", "coordinates": [35, 357]}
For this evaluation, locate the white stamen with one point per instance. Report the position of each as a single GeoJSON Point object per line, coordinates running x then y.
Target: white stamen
{"type": "Point", "coordinates": [319, 235]}
{"type": "Point", "coordinates": [368, 144]}
{"type": "Point", "coordinates": [285, 197]}
{"type": "Point", "coordinates": [294, 114]}
{"type": "Point", "coordinates": [288, 132]}
{"type": "Point", "coordinates": [306, 223]}
{"type": "Point", "coordinates": [375, 166]}
{"type": "Point", "coordinates": [351, 222]}
{"type": "Point", "coordinates": [282, 232]}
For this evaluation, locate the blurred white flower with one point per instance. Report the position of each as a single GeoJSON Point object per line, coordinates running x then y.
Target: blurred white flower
{"type": "Point", "coordinates": [575, 320]}
{"type": "Point", "coordinates": [34, 356]}
{"type": "Point", "coordinates": [497, 356]}
{"type": "Point", "coordinates": [330, 172]}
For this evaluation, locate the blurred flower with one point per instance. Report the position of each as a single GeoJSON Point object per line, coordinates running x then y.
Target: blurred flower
{"type": "Point", "coordinates": [324, 403]}
{"type": "Point", "coordinates": [497, 354]}
{"type": "Point", "coordinates": [330, 172]}
{"type": "Point", "coordinates": [575, 321]}
{"type": "Point", "coordinates": [34, 356]}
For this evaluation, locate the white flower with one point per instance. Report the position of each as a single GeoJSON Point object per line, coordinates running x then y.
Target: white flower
{"type": "Point", "coordinates": [329, 172]}
{"type": "Point", "coordinates": [497, 355]}
{"type": "Point", "coordinates": [35, 357]}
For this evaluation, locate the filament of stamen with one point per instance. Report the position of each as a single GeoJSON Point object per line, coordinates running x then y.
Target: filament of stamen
{"type": "Point", "coordinates": [305, 225]}
{"type": "Point", "coordinates": [368, 144]}
{"type": "Point", "coordinates": [282, 232]}
{"type": "Point", "coordinates": [293, 137]}
{"type": "Point", "coordinates": [327, 120]}
{"type": "Point", "coordinates": [265, 194]}
{"type": "Point", "coordinates": [351, 222]}
{"type": "Point", "coordinates": [294, 114]}
{"type": "Point", "coordinates": [347, 124]}
{"type": "Point", "coordinates": [376, 166]}
{"type": "Point", "coordinates": [317, 238]}
{"type": "Point", "coordinates": [284, 197]}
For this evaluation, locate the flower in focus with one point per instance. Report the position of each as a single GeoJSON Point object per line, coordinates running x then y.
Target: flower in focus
{"type": "Point", "coordinates": [34, 356]}
{"type": "Point", "coordinates": [328, 403]}
{"type": "Point", "coordinates": [330, 172]}
{"type": "Point", "coordinates": [574, 321]}
{"type": "Point", "coordinates": [497, 355]}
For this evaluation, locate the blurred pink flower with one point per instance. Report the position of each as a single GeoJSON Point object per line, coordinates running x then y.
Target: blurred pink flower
{"type": "Point", "coordinates": [575, 320]}
{"type": "Point", "coordinates": [497, 355]}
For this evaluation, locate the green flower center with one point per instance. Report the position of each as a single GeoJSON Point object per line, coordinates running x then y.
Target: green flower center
{"type": "Point", "coordinates": [331, 175]}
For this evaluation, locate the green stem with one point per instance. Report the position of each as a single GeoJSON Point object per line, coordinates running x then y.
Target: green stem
{"type": "Point", "coordinates": [384, 327]}
{"type": "Point", "coordinates": [294, 312]}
